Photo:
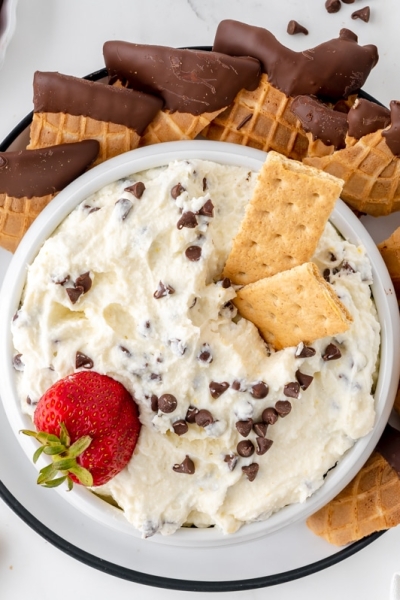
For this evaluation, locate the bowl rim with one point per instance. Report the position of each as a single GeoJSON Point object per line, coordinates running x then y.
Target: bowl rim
{"type": "Point", "coordinates": [342, 217]}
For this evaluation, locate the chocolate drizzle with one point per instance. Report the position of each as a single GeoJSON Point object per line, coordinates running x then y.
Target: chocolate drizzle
{"type": "Point", "coordinates": [365, 117]}
{"type": "Point", "coordinates": [334, 69]}
{"type": "Point", "coordinates": [392, 135]}
{"type": "Point", "coordinates": [389, 447]}
{"type": "Point", "coordinates": [323, 122]}
{"type": "Point", "coordinates": [57, 93]}
{"type": "Point", "coordinates": [35, 173]}
{"type": "Point", "coordinates": [190, 81]}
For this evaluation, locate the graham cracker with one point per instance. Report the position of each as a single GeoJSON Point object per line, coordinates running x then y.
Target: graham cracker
{"type": "Point", "coordinates": [284, 219]}
{"type": "Point", "coordinates": [296, 305]}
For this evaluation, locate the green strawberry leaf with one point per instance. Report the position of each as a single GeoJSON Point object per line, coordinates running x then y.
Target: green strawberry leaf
{"type": "Point", "coordinates": [84, 476]}
{"type": "Point", "coordinates": [55, 482]}
{"type": "Point", "coordinates": [47, 473]}
{"type": "Point", "coordinates": [37, 453]}
{"type": "Point", "coordinates": [79, 446]}
{"type": "Point", "coordinates": [54, 449]}
{"type": "Point", "coordinates": [64, 435]}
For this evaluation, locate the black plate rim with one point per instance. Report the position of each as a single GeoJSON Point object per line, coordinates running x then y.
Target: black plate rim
{"type": "Point", "coordinates": [127, 574]}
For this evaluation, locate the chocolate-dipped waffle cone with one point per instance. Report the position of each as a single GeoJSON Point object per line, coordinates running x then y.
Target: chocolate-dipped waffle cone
{"type": "Point", "coordinates": [29, 180]}
{"type": "Point", "coordinates": [369, 503]}
{"type": "Point", "coordinates": [69, 109]}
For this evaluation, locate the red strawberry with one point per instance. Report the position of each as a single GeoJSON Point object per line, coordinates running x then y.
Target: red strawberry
{"type": "Point", "coordinates": [89, 424]}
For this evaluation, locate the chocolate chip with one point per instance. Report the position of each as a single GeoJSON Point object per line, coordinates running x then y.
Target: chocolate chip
{"type": "Point", "coordinates": [269, 415]}
{"type": "Point", "coordinates": [205, 354]}
{"type": "Point", "coordinates": [292, 389]}
{"type": "Point", "coordinates": [244, 121]}
{"type": "Point", "coordinates": [303, 379]}
{"type": "Point", "coordinates": [345, 266]}
{"type": "Point", "coordinates": [294, 28]}
{"type": "Point", "coordinates": [188, 219]}
{"type": "Point", "coordinates": [193, 253]}
{"type": "Point", "coordinates": [81, 360]}
{"type": "Point", "coordinates": [3, 162]}
{"type": "Point", "coordinates": [348, 1]}
{"type": "Point", "coordinates": [217, 389]}
{"type": "Point", "coordinates": [363, 14]}
{"type": "Point", "coordinates": [192, 411]}
{"type": "Point", "coordinates": [326, 275]}
{"type": "Point", "coordinates": [303, 351]}
{"type": "Point", "coordinates": [180, 427]}
{"type": "Point", "coordinates": [186, 467]}
{"type": "Point", "coordinates": [283, 407]}
{"type": "Point", "coordinates": [17, 362]}
{"type": "Point", "coordinates": [245, 448]}
{"type": "Point", "coordinates": [251, 471]}
{"type": "Point", "coordinates": [177, 190]}
{"type": "Point", "coordinates": [136, 189]}
{"type": "Point", "coordinates": [236, 385]}
{"type": "Point", "coordinates": [231, 461]}
{"type": "Point", "coordinates": [167, 403]}
{"type": "Point", "coordinates": [163, 290]}
{"type": "Point", "coordinates": [332, 257]}
{"type": "Point", "coordinates": [203, 418]}
{"type": "Point", "coordinates": [263, 444]}
{"type": "Point", "coordinates": [347, 34]}
{"type": "Point", "coordinates": [204, 184]}
{"type": "Point", "coordinates": [75, 293]}
{"type": "Point", "coordinates": [125, 350]}
{"type": "Point", "coordinates": [154, 402]}
{"type": "Point", "coordinates": [124, 208]}
{"type": "Point", "coordinates": [259, 390]}
{"type": "Point", "coordinates": [155, 376]}
{"type": "Point", "coordinates": [85, 281]}
{"type": "Point", "coordinates": [207, 210]}
{"type": "Point", "coordinates": [332, 352]}
{"type": "Point", "coordinates": [260, 429]}
{"type": "Point", "coordinates": [244, 427]}
{"type": "Point", "coordinates": [333, 6]}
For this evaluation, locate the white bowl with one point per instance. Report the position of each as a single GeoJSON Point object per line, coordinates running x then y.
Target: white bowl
{"type": "Point", "coordinates": [158, 155]}
{"type": "Point", "coordinates": [7, 25]}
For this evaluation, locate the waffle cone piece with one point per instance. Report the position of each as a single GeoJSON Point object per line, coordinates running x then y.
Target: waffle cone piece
{"type": "Point", "coordinates": [261, 119]}
{"type": "Point", "coordinates": [16, 216]}
{"type": "Point", "coordinates": [390, 251]}
{"type": "Point", "coordinates": [169, 126]}
{"type": "Point", "coordinates": [369, 503]}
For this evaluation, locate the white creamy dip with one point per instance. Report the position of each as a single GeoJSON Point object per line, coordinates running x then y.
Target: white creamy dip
{"type": "Point", "coordinates": [184, 340]}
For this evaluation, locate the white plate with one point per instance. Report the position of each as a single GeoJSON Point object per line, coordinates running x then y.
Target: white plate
{"type": "Point", "coordinates": [7, 25]}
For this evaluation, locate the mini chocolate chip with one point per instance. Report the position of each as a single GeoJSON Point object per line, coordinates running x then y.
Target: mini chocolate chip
{"type": "Point", "coordinates": [260, 429]}
{"type": "Point", "coordinates": [3, 162]}
{"type": "Point", "coordinates": [193, 253]}
{"type": "Point", "coordinates": [332, 352]}
{"type": "Point", "coordinates": [180, 427]}
{"type": "Point", "coordinates": [155, 376]}
{"type": "Point", "coordinates": [244, 427]}
{"type": "Point", "coordinates": [81, 360]}
{"type": "Point", "coordinates": [333, 6]}
{"type": "Point", "coordinates": [217, 389]}
{"type": "Point", "coordinates": [28, 400]}
{"type": "Point", "coordinates": [304, 351]}
{"type": "Point", "coordinates": [75, 293]}
{"type": "Point", "coordinates": [283, 407]}
{"type": "Point", "coordinates": [203, 418]}
{"type": "Point", "coordinates": [345, 266]}
{"type": "Point", "coordinates": [154, 402]}
{"type": "Point", "coordinates": [17, 362]}
{"type": "Point", "coordinates": [177, 190]}
{"type": "Point", "coordinates": [186, 467]}
{"type": "Point", "coordinates": [244, 121]}
{"type": "Point", "coordinates": [245, 448]}
{"type": "Point", "coordinates": [15, 317]}
{"type": "Point", "coordinates": [303, 379]}
{"type": "Point", "coordinates": [207, 210]}
{"type": "Point", "coordinates": [60, 280]}
{"type": "Point", "coordinates": [363, 14]}
{"type": "Point", "coordinates": [269, 415]}
{"type": "Point", "coordinates": [326, 275]}
{"type": "Point", "coordinates": [294, 28]}
{"type": "Point", "coordinates": [259, 390]}
{"type": "Point", "coordinates": [124, 207]}
{"type": "Point", "coordinates": [125, 350]}
{"type": "Point", "coordinates": [226, 283]}
{"type": "Point", "coordinates": [136, 189]}
{"type": "Point", "coordinates": [85, 281]}
{"type": "Point", "coordinates": [236, 385]}
{"type": "Point", "coordinates": [205, 354]}
{"type": "Point", "coordinates": [332, 257]}
{"type": "Point", "coordinates": [204, 184]}
{"type": "Point", "coordinates": [192, 411]}
{"type": "Point", "coordinates": [263, 444]}
{"type": "Point", "coordinates": [231, 461]}
{"type": "Point", "coordinates": [251, 471]}
{"type": "Point", "coordinates": [292, 389]}
{"type": "Point", "coordinates": [167, 403]}
{"type": "Point", "coordinates": [163, 290]}
{"type": "Point", "coordinates": [188, 219]}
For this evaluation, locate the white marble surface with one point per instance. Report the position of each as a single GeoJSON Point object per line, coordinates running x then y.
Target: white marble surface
{"type": "Point", "coordinates": [67, 36]}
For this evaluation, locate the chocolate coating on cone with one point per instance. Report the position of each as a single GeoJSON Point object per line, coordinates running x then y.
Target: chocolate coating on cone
{"type": "Point", "coordinates": [389, 447]}
{"type": "Point", "coordinates": [392, 135]}
{"type": "Point", "coordinates": [190, 81]}
{"type": "Point", "coordinates": [365, 117]}
{"type": "Point", "coordinates": [35, 173]}
{"type": "Point", "coordinates": [334, 69]}
{"type": "Point", "coordinates": [325, 124]}
{"type": "Point", "coordinates": [57, 93]}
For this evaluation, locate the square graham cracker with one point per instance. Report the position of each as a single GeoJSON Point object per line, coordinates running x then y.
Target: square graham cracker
{"type": "Point", "coordinates": [283, 221]}
{"type": "Point", "coordinates": [296, 305]}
